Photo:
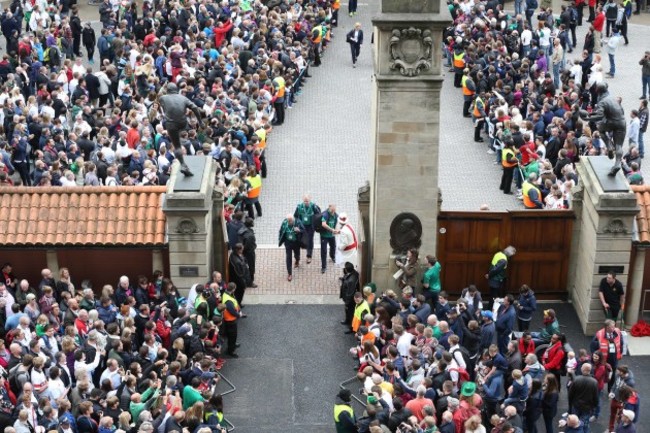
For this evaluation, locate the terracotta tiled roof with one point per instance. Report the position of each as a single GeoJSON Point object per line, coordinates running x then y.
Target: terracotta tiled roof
{"type": "Point", "coordinates": [643, 217]}
{"type": "Point", "coordinates": [58, 216]}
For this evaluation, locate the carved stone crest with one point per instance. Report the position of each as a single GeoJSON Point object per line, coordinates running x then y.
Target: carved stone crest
{"type": "Point", "coordinates": [410, 51]}
{"type": "Point", "coordinates": [187, 226]}
{"type": "Point", "coordinates": [363, 193]}
{"type": "Point", "coordinates": [615, 226]}
{"type": "Point", "coordinates": [405, 232]}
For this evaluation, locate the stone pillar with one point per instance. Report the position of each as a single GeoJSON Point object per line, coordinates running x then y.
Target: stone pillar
{"type": "Point", "coordinates": [406, 122]}
{"type": "Point", "coordinates": [157, 262]}
{"type": "Point", "coordinates": [363, 202]}
{"type": "Point", "coordinates": [52, 262]}
{"type": "Point", "coordinates": [602, 242]}
{"type": "Point", "coordinates": [634, 292]}
{"type": "Point", "coordinates": [220, 250]}
{"type": "Point", "coordinates": [188, 208]}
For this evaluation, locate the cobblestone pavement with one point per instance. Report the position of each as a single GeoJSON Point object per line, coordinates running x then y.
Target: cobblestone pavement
{"type": "Point", "coordinates": [307, 279]}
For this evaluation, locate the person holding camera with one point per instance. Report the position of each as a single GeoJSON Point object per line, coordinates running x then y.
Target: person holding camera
{"type": "Point", "coordinates": [645, 75]}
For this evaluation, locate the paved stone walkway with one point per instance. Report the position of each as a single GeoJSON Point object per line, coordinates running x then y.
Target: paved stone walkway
{"type": "Point", "coordinates": [323, 147]}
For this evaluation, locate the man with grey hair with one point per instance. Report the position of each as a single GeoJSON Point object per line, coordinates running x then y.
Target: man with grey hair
{"type": "Point", "coordinates": [417, 405]}
{"type": "Point", "coordinates": [496, 274]}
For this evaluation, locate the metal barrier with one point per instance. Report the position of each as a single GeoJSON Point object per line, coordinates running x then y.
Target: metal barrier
{"type": "Point", "coordinates": [229, 426]}
{"type": "Point", "coordinates": [229, 383]}
{"type": "Point", "coordinates": [355, 397]}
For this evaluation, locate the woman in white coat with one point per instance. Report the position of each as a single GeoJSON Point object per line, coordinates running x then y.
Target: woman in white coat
{"type": "Point", "coordinates": [347, 243]}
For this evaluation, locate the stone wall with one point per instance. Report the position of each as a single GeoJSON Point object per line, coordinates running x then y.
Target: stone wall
{"type": "Point", "coordinates": [189, 213]}
{"type": "Point", "coordinates": [602, 240]}
{"type": "Point", "coordinates": [406, 124]}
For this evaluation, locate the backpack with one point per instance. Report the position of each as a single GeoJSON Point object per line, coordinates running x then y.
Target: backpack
{"type": "Point", "coordinates": [463, 375]}
{"type": "Point", "coordinates": [317, 220]}
{"type": "Point", "coordinates": [463, 351]}
{"type": "Point", "coordinates": [612, 13]}
{"type": "Point", "coordinates": [532, 4]}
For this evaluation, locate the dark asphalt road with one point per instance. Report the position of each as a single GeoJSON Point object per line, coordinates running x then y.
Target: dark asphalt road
{"type": "Point", "coordinates": [294, 356]}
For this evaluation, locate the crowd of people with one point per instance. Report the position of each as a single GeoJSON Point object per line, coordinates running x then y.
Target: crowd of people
{"type": "Point", "coordinates": [140, 357]}
{"type": "Point", "coordinates": [137, 358]}
{"type": "Point", "coordinates": [67, 120]}
{"type": "Point", "coordinates": [480, 364]}
{"type": "Point", "coordinates": [540, 105]}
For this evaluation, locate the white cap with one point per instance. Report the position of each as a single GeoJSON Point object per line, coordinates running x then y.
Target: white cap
{"type": "Point", "coordinates": [343, 218]}
{"type": "Point", "coordinates": [628, 414]}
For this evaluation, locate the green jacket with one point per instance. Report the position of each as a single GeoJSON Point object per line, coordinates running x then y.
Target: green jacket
{"type": "Point", "coordinates": [148, 398]}
{"type": "Point", "coordinates": [287, 232]}
{"type": "Point", "coordinates": [549, 330]}
{"type": "Point", "coordinates": [191, 396]}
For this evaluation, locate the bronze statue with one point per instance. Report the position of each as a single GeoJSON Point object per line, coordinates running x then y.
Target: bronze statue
{"type": "Point", "coordinates": [610, 118]}
{"type": "Point", "coordinates": [175, 108]}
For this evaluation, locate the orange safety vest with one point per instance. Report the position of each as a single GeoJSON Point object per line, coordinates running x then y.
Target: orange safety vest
{"type": "Point", "coordinates": [477, 112]}
{"type": "Point", "coordinates": [281, 85]}
{"type": "Point", "coordinates": [604, 343]}
{"type": "Point", "coordinates": [504, 158]}
{"type": "Point", "coordinates": [336, 5]}
{"type": "Point", "coordinates": [466, 90]}
{"type": "Point", "coordinates": [525, 189]}
{"type": "Point", "coordinates": [459, 60]}
{"type": "Point", "coordinates": [370, 336]}
{"type": "Point", "coordinates": [256, 186]}
{"type": "Point", "coordinates": [359, 311]}
{"type": "Point", "coordinates": [227, 316]}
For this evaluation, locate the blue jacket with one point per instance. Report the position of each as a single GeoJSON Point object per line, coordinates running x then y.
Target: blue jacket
{"type": "Point", "coordinates": [107, 314]}
{"type": "Point", "coordinates": [505, 320]}
{"type": "Point", "coordinates": [519, 390]}
{"type": "Point", "coordinates": [493, 388]}
{"type": "Point", "coordinates": [487, 335]}
{"type": "Point", "coordinates": [423, 313]}
{"type": "Point", "coordinates": [528, 305]}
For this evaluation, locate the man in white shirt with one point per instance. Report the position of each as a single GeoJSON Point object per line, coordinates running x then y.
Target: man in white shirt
{"type": "Point", "coordinates": [404, 340]}
{"type": "Point", "coordinates": [112, 373]}
{"type": "Point", "coordinates": [526, 38]}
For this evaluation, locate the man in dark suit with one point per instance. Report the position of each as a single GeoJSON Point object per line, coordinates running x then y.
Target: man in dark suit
{"type": "Point", "coordinates": [355, 39]}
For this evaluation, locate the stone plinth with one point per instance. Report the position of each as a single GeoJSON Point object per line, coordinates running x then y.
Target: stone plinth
{"type": "Point", "coordinates": [189, 209]}
{"type": "Point", "coordinates": [406, 125]}
{"type": "Point", "coordinates": [602, 239]}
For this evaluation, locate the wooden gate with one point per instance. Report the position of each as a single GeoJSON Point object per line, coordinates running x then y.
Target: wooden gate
{"type": "Point", "coordinates": [468, 240]}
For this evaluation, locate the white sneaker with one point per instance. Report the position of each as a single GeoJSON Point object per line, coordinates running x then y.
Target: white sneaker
{"type": "Point", "coordinates": [490, 152]}
{"type": "Point", "coordinates": [592, 418]}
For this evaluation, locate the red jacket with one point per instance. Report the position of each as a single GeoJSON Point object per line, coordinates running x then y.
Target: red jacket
{"type": "Point", "coordinates": [526, 349]}
{"type": "Point", "coordinates": [599, 22]}
{"type": "Point", "coordinates": [220, 33]}
{"type": "Point", "coordinates": [592, 3]}
{"type": "Point", "coordinates": [553, 357]}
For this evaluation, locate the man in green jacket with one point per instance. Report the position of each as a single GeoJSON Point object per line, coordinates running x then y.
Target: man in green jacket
{"type": "Point", "coordinates": [191, 394]}
{"type": "Point", "coordinates": [431, 281]}
{"type": "Point", "coordinates": [144, 401]}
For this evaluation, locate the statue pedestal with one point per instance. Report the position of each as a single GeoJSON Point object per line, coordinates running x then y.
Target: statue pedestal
{"type": "Point", "coordinates": [605, 209]}
{"type": "Point", "coordinates": [406, 124]}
